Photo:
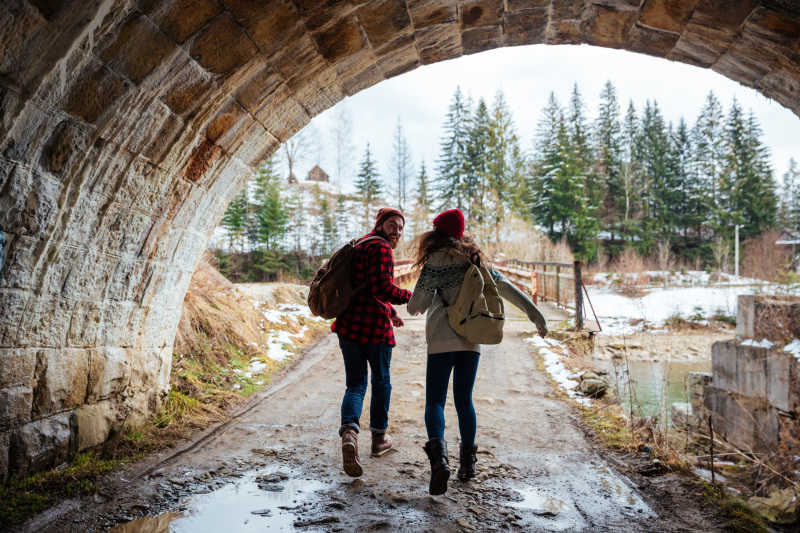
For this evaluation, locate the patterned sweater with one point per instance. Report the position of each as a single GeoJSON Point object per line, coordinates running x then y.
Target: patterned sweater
{"type": "Point", "coordinates": [439, 282]}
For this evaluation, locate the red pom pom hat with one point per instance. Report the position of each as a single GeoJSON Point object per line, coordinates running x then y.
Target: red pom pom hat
{"type": "Point", "coordinates": [450, 222]}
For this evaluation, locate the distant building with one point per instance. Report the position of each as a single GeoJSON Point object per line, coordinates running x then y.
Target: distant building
{"type": "Point", "coordinates": [317, 174]}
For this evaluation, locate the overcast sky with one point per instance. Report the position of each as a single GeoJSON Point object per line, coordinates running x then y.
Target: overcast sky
{"type": "Point", "coordinates": [419, 99]}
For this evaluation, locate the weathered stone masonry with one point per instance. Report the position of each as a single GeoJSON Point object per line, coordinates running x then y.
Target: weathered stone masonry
{"type": "Point", "coordinates": [126, 126]}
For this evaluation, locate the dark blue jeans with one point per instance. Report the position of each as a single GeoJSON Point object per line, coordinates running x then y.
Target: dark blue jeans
{"type": "Point", "coordinates": [437, 376]}
{"type": "Point", "coordinates": [357, 357]}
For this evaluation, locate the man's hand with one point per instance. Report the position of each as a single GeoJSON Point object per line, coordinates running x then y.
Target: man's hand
{"type": "Point", "coordinates": [397, 321]}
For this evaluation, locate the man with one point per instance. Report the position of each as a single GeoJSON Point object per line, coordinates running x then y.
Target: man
{"type": "Point", "coordinates": [366, 336]}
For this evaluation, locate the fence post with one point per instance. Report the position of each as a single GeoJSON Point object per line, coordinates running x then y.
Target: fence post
{"type": "Point", "coordinates": [578, 296]}
{"type": "Point", "coordinates": [558, 285]}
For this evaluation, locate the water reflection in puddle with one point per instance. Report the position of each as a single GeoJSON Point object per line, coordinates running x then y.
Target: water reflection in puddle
{"type": "Point", "coordinates": [572, 488]}
{"type": "Point", "coordinates": [550, 512]}
{"type": "Point", "coordinates": [239, 507]}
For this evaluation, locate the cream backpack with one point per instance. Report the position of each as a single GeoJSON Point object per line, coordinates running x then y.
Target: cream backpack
{"type": "Point", "coordinates": [477, 314]}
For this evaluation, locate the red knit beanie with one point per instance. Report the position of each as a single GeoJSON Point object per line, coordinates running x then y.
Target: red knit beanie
{"type": "Point", "coordinates": [450, 222]}
{"type": "Point", "coordinates": [384, 213]}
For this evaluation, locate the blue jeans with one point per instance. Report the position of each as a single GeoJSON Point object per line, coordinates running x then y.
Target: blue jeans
{"type": "Point", "coordinates": [437, 376]}
{"type": "Point", "coordinates": [356, 358]}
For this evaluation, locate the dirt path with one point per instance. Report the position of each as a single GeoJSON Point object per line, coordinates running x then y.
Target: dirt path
{"type": "Point", "coordinates": [537, 470]}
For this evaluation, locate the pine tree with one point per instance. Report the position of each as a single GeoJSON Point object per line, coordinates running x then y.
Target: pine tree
{"type": "Point", "coordinates": [689, 206]}
{"type": "Point", "coordinates": [423, 203]}
{"type": "Point", "coordinates": [297, 218]}
{"type": "Point", "coordinates": [341, 227]}
{"type": "Point", "coordinates": [608, 157]}
{"type": "Point", "coordinates": [657, 185]}
{"type": "Point", "coordinates": [368, 185]}
{"type": "Point", "coordinates": [631, 168]}
{"type": "Point", "coordinates": [709, 143]}
{"type": "Point", "coordinates": [542, 202]}
{"type": "Point", "coordinates": [268, 217]}
{"type": "Point", "coordinates": [401, 165]}
{"type": "Point", "coordinates": [504, 164]}
{"type": "Point", "coordinates": [790, 196]}
{"type": "Point", "coordinates": [477, 176]}
{"type": "Point", "coordinates": [328, 225]}
{"type": "Point", "coordinates": [452, 165]}
{"type": "Point", "coordinates": [746, 191]}
{"type": "Point", "coordinates": [590, 187]}
{"type": "Point", "coordinates": [235, 220]}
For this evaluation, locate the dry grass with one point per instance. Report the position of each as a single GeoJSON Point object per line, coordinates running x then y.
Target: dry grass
{"type": "Point", "coordinates": [763, 259]}
{"type": "Point", "coordinates": [631, 272]}
{"type": "Point", "coordinates": [518, 240]}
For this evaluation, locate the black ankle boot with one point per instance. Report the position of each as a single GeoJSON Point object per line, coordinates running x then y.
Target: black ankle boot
{"type": "Point", "coordinates": [440, 467]}
{"type": "Point", "coordinates": [467, 457]}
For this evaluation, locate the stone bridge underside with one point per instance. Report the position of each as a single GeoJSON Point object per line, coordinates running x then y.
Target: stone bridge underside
{"type": "Point", "coordinates": [126, 127]}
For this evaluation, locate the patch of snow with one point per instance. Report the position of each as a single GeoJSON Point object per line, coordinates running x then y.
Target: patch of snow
{"type": "Point", "coordinates": [793, 348]}
{"type": "Point", "coordinates": [616, 312]}
{"type": "Point", "coordinates": [257, 365]}
{"type": "Point", "coordinates": [764, 343]}
{"type": "Point", "coordinates": [555, 367]}
{"type": "Point", "coordinates": [273, 316]}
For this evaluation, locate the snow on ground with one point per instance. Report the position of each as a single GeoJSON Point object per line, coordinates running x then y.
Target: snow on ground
{"type": "Point", "coordinates": [689, 278]}
{"type": "Point", "coordinates": [616, 312]}
{"type": "Point", "coordinates": [619, 314]}
{"type": "Point", "coordinates": [793, 348]}
{"type": "Point", "coordinates": [555, 367]}
{"type": "Point", "coordinates": [286, 325]}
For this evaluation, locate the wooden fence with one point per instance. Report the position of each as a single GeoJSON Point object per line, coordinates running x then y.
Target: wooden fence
{"type": "Point", "coordinates": [559, 283]}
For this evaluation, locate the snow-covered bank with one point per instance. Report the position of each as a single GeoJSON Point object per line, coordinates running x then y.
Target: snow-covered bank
{"type": "Point", "coordinates": [619, 314]}
{"type": "Point", "coordinates": [551, 351]}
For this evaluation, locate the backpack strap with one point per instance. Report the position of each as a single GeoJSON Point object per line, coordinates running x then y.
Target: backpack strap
{"type": "Point", "coordinates": [356, 242]}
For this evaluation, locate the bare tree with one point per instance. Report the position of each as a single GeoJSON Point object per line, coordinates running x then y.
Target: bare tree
{"type": "Point", "coordinates": [722, 254]}
{"type": "Point", "coordinates": [296, 149]}
{"type": "Point", "coordinates": [342, 137]}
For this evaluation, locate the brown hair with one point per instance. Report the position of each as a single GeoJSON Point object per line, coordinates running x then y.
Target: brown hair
{"type": "Point", "coordinates": [435, 240]}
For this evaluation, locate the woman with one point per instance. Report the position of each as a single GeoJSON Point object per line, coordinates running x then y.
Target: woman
{"type": "Point", "coordinates": [444, 253]}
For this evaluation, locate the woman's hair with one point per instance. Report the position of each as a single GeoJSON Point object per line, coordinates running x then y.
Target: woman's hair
{"type": "Point", "coordinates": [435, 240]}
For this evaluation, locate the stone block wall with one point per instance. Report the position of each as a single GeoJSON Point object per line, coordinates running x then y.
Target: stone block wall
{"type": "Point", "coordinates": [754, 392]}
{"type": "Point", "coordinates": [126, 126]}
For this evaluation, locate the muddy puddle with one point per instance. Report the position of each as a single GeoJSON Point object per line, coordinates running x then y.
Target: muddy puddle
{"type": "Point", "coordinates": [644, 384]}
{"type": "Point", "coordinates": [266, 500]}
{"type": "Point", "coordinates": [575, 492]}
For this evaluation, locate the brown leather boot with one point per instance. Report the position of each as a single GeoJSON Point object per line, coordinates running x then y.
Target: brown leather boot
{"type": "Point", "coordinates": [381, 443]}
{"type": "Point", "coordinates": [350, 460]}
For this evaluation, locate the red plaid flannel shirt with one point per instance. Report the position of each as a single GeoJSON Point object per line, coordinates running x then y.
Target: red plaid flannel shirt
{"type": "Point", "coordinates": [368, 317]}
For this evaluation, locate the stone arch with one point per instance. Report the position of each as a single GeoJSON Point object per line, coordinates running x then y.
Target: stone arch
{"type": "Point", "coordinates": [126, 126]}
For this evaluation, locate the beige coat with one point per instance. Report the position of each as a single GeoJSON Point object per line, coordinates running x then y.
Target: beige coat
{"type": "Point", "coordinates": [441, 277]}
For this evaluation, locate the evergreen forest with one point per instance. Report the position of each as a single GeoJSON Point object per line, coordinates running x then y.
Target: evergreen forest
{"type": "Point", "coordinates": [616, 178]}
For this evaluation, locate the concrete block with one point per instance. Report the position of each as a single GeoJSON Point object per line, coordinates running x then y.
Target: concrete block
{"type": "Point", "coordinates": [40, 445]}
{"type": "Point", "coordinates": [109, 373]}
{"type": "Point", "coordinates": [93, 424]}
{"type": "Point", "coordinates": [698, 381]}
{"type": "Point", "coordinates": [750, 424]}
{"type": "Point", "coordinates": [12, 309]}
{"type": "Point", "coordinates": [15, 406]}
{"type": "Point", "coordinates": [60, 381]}
{"type": "Point", "coordinates": [773, 317]}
